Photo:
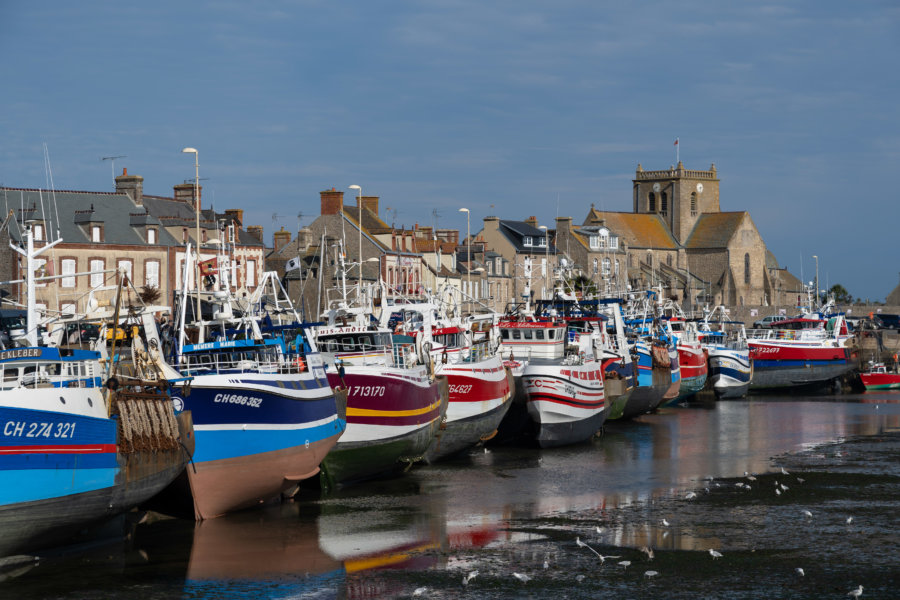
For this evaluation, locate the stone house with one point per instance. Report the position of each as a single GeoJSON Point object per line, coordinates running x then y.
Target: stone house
{"type": "Point", "coordinates": [103, 232]}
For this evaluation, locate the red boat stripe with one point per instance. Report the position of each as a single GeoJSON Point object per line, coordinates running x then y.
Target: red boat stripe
{"type": "Point", "coordinates": [95, 449]}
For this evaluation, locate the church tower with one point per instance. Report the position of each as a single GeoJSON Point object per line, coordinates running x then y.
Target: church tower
{"type": "Point", "coordinates": [679, 196]}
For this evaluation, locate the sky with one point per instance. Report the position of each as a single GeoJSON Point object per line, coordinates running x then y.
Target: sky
{"type": "Point", "coordinates": [509, 108]}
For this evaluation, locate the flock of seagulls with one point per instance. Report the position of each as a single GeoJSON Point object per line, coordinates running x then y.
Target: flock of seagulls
{"type": "Point", "coordinates": [780, 488]}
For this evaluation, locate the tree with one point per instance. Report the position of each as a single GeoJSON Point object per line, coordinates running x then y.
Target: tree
{"type": "Point", "coordinates": [840, 294]}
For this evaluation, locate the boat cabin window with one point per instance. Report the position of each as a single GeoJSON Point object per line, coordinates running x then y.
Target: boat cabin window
{"type": "Point", "coordinates": [517, 335]}
{"type": "Point", "coordinates": [539, 334]}
{"type": "Point", "coordinates": [527, 333]}
{"type": "Point", "coordinates": [353, 343]}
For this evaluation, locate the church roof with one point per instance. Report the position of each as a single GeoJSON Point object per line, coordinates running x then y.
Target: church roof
{"type": "Point", "coordinates": [637, 230]}
{"type": "Point", "coordinates": [715, 230]}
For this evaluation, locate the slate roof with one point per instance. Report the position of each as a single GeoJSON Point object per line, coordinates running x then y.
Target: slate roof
{"type": "Point", "coordinates": [516, 231]}
{"type": "Point", "coordinates": [637, 230]}
{"type": "Point", "coordinates": [111, 210]}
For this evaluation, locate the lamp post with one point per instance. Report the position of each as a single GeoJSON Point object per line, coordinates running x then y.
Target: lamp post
{"type": "Point", "coordinates": [817, 282]}
{"type": "Point", "coordinates": [468, 251]}
{"type": "Point", "coordinates": [197, 214]}
{"type": "Point", "coordinates": [546, 259]}
{"type": "Point", "coordinates": [359, 206]}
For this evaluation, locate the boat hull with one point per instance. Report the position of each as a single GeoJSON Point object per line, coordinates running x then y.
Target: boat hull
{"type": "Point", "coordinates": [778, 366]}
{"type": "Point", "coordinates": [692, 364]}
{"type": "Point", "coordinates": [257, 435]}
{"type": "Point", "coordinates": [567, 402]}
{"type": "Point", "coordinates": [479, 397]}
{"type": "Point", "coordinates": [730, 372]}
{"type": "Point", "coordinates": [880, 381]}
{"type": "Point", "coordinates": [48, 497]}
{"type": "Point", "coordinates": [392, 419]}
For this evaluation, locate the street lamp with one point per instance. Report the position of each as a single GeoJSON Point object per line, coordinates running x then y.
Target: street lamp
{"type": "Point", "coordinates": [197, 213]}
{"type": "Point", "coordinates": [359, 206]}
{"type": "Point", "coordinates": [468, 251]}
{"type": "Point", "coordinates": [546, 272]}
{"type": "Point", "coordinates": [817, 282]}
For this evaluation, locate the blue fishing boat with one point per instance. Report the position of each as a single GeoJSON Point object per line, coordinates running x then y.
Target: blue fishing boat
{"type": "Point", "coordinates": [264, 414]}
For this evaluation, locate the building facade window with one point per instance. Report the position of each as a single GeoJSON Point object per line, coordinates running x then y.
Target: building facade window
{"type": "Point", "coordinates": [664, 203]}
{"type": "Point", "coordinates": [67, 268]}
{"type": "Point", "coordinates": [97, 277]}
{"type": "Point", "coordinates": [527, 241]}
{"type": "Point", "coordinates": [152, 236]}
{"type": "Point", "coordinates": [595, 242]}
{"type": "Point", "coordinates": [747, 268]}
{"type": "Point", "coordinates": [126, 265]}
{"type": "Point", "coordinates": [617, 269]}
{"type": "Point", "coordinates": [251, 273]}
{"type": "Point", "coordinates": [151, 273]}
{"type": "Point", "coordinates": [184, 235]}
{"type": "Point", "coordinates": [39, 233]}
{"type": "Point", "coordinates": [595, 267]}
{"type": "Point", "coordinates": [96, 233]}
{"type": "Point", "coordinates": [606, 267]}
{"type": "Point", "coordinates": [652, 206]}
{"type": "Point", "coordinates": [669, 260]}
{"type": "Point", "coordinates": [693, 204]}
{"type": "Point", "coordinates": [68, 308]}
{"type": "Point", "coordinates": [604, 239]}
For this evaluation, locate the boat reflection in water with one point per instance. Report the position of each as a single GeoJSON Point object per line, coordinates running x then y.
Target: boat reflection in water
{"type": "Point", "coordinates": [264, 553]}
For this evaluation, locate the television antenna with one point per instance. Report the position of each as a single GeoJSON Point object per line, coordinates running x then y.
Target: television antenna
{"type": "Point", "coordinates": [112, 160]}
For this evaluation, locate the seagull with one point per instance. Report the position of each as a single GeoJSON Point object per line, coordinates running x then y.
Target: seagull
{"type": "Point", "coordinates": [800, 480]}
{"type": "Point", "coordinates": [807, 514]}
{"type": "Point", "coordinates": [800, 572]}
{"type": "Point", "coordinates": [546, 564]}
{"type": "Point", "coordinates": [784, 488]}
{"type": "Point", "coordinates": [664, 523]}
{"type": "Point", "coordinates": [472, 575]}
{"type": "Point", "coordinates": [580, 578]}
{"type": "Point", "coordinates": [625, 563]}
{"type": "Point", "coordinates": [739, 484]}
{"type": "Point", "coordinates": [748, 488]}
{"type": "Point", "coordinates": [420, 591]}
{"type": "Point", "coordinates": [777, 492]}
{"type": "Point", "coordinates": [690, 496]}
{"type": "Point", "coordinates": [522, 577]}
{"type": "Point", "coordinates": [715, 554]}
{"type": "Point", "coordinates": [855, 593]}
{"type": "Point", "coordinates": [707, 490]}
{"type": "Point", "coordinates": [849, 520]}
{"type": "Point", "coordinates": [583, 545]}
{"type": "Point", "coordinates": [648, 552]}
{"type": "Point", "coordinates": [649, 574]}
{"type": "Point", "coordinates": [599, 530]}
{"type": "Point", "coordinates": [783, 472]}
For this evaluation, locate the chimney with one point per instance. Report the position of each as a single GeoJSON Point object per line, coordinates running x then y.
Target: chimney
{"type": "Point", "coordinates": [256, 231]}
{"type": "Point", "coordinates": [532, 221]}
{"type": "Point", "coordinates": [304, 238]}
{"type": "Point", "coordinates": [491, 224]}
{"type": "Point", "coordinates": [332, 201]}
{"type": "Point", "coordinates": [184, 192]}
{"type": "Point", "coordinates": [236, 215]}
{"type": "Point", "coordinates": [563, 223]}
{"type": "Point", "coordinates": [370, 203]}
{"type": "Point", "coordinates": [132, 186]}
{"type": "Point", "coordinates": [280, 239]}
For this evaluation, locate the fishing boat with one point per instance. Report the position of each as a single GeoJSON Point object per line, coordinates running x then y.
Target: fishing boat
{"type": "Point", "coordinates": [563, 385]}
{"type": "Point", "coordinates": [692, 358]}
{"type": "Point", "coordinates": [730, 367]}
{"type": "Point", "coordinates": [479, 385]}
{"type": "Point", "coordinates": [264, 415]}
{"type": "Point", "coordinates": [77, 445]}
{"type": "Point", "coordinates": [803, 351]}
{"type": "Point", "coordinates": [653, 348]}
{"type": "Point", "coordinates": [395, 404]}
{"type": "Point", "coordinates": [879, 376]}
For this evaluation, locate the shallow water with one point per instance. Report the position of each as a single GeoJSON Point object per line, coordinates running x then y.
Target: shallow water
{"type": "Point", "coordinates": [520, 510]}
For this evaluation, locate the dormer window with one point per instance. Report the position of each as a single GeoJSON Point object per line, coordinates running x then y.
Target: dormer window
{"type": "Point", "coordinates": [595, 242]}
{"type": "Point", "coordinates": [152, 236]}
{"type": "Point", "coordinates": [613, 242]}
{"type": "Point", "coordinates": [39, 233]}
{"type": "Point", "coordinates": [96, 233]}
{"type": "Point", "coordinates": [542, 242]}
{"type": "Point", "coordinates": [527, 241]}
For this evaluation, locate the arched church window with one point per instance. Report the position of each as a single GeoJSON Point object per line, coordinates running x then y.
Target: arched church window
{"type": "Point", "coordinates": [693, 204]}
{"type": "Point", "coordinates": [664, 202]}
{"type": "Point", "coordinates": [652, 202]}
{"type": "Point", "coordinates": [595, 266]}
{"type": "Point", "coordinates": [747, 268]}
{"type": "Point", "coordinates": [669, 260]}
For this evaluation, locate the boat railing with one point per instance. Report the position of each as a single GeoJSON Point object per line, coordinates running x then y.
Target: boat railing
{"type": "Point", "coordinates": [477, 352]}
{"type": "Point", "coordinates": [50, 375]}
{"type": "Point", "coordinates": [237, 363]}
